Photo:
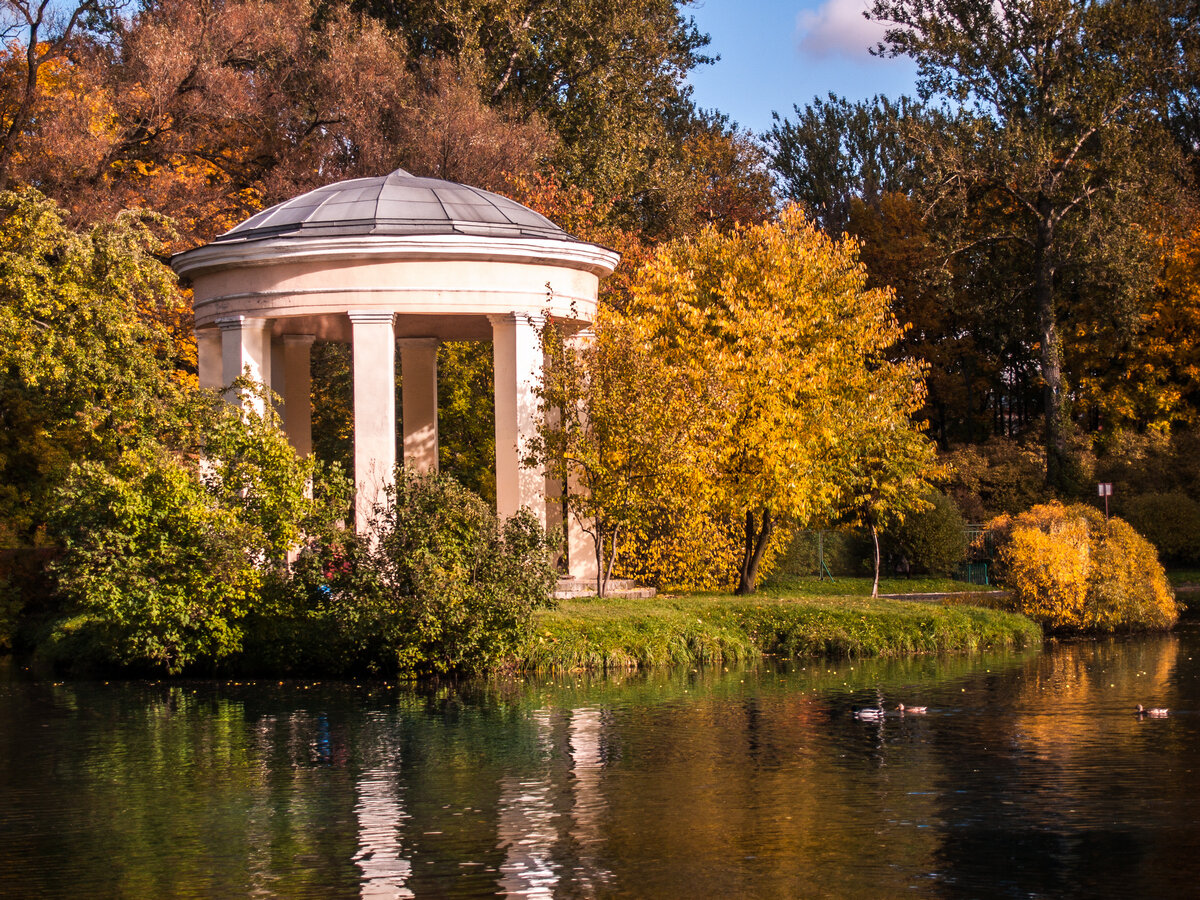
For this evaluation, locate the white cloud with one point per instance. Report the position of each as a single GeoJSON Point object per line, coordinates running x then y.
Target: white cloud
{"type": "Point", "coordinates": [838, 28]}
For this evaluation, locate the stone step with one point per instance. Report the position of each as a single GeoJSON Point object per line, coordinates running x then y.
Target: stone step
{"type": "Point", "coordinates": [584, 584]}
{"type": "Point", "coordinates": [625, 588]}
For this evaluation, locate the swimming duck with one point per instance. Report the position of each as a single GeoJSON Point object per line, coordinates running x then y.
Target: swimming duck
{"type": "Point", "coordinates": [1157, 713]}
{"type": "Point", "coordinates": [915, 710]}
{"type": "Point", "coordinates": [869, 715]}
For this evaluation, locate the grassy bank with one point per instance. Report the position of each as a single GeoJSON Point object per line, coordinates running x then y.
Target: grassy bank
{"type": "Point", "coordinates": [708, 629]}
{"type": "Point", "coordinates": [843, 586]}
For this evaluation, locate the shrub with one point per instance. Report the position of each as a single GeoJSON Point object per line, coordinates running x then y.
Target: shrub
{"type": "Point", "coordinates": [1127, 586]}
{"type": "Point", "coordinates": [327, 615]}
{"type": "Point", "coordinates": [932, 540]}
{"type": "Point", "coordinates": [1171, 522]}
{"type": "Point", "coordinates": [443, 587]}
{"type": "Point", "coordinates": [152, 570]}
{"type": "Point", "coordinates": [10, 611]}
{"type": "Point", "coordinates": [164, 552]}
{"type": "Point", "coordinates": [459, 587]}
{"type": "Point", "coordinates": [1069, 569]}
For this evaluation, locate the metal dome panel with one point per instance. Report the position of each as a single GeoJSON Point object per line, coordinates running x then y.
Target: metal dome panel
{"type": "Point", "coordinates": [396, 204]}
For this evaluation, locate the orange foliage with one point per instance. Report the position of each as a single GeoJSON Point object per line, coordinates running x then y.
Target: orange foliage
{"type": "Point", "coordinates": [1068, 568]}
{"type": "Point", "coordinates": [581, 213]}
{"type": "Point", "coordinates": [1148, 375]}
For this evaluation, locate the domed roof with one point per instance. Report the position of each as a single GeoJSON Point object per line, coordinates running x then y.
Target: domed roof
{"type": "Point", "coordinates": [398, 204]}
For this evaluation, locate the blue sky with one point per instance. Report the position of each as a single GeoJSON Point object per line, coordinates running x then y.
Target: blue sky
{"type": "Point", "coordinates": [775, 53]}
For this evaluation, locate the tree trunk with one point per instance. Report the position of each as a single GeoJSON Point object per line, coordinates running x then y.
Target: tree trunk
{"type": "Point", "coordinates": [875, 539]}
{"type": "Point", "coordinates": [600, 580]}
{"type": "Point", "coordinates": [1057, 412]}
{"type": "Point", "coordinates": [612, 557]}
{"type": "Point", "coordinates": [756, 546]}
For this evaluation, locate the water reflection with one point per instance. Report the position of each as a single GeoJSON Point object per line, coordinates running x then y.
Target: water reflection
{"type": "Point", "coordinates": [381, 817]}
{"type": "Point", "coordinates": [527, 831]}
{"type": "Point", "coordinates": [1028, 776]}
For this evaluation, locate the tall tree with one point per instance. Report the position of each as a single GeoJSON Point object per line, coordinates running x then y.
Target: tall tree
{"type": "Point", "coordinates": [37, 35]}
{"type": "Point", "coordinates": [608, 78]}
{"type": "Point", "coordinates": [210, 111]}
{"type": "Point", "coordinates": [785, 346]}
{"type": "Point", "coordinates": [1050, 146]}
{"type": "Point", "coordinates": [837, 152]}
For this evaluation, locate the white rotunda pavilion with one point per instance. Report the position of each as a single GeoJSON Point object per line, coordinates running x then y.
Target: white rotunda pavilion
{"type": "Point", "coordinates": [387, 262]}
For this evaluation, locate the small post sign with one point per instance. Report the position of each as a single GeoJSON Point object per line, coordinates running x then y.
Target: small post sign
{"type": "Point", "coordinates": [1105, 492]}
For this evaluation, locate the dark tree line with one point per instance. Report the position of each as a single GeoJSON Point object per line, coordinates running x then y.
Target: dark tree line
{"type": "Point", "coordinates": [1022, 206]}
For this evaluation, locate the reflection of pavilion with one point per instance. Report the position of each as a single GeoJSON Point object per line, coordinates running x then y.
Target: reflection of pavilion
{"type": "Point", "coordinates": [397, 259]}
{"type": "Point", "coordinates": [547, 821]}
{"type": "Point", "coordinates": [380, 857]}
{"type": "Point", "coordinates": [549, 829]}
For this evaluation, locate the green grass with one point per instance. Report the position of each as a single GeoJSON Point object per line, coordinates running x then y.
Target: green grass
{"type": "Point", "coordinates": [810, 586]}
{"type": "Point", "coordinates": [596, 634]}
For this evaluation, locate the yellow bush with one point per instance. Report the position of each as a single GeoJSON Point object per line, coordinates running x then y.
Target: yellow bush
{"type": "Point", "coordinates": [1071, 570]}
{"type": "Point", "coordinates": [1127, 583]}
{"type": "Point", "coordinates": [1048, 572]}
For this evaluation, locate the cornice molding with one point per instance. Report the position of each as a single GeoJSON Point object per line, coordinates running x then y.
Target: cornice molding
{"type": "Point", "coordinates": [600, 261]}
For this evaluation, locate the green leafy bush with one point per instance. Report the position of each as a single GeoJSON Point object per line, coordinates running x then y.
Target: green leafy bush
{"type": "Point", "coordinates": [153, 572]}
{"type": "Point", "coordinates": [1071, 570]}
{"type": "Point", "coordinates": [932, 540]}
{"type": "Point", "coordinates": [461, 586]}
{"type": "Point", "coordinates": [1171, 522]}
{"type": "Point", "coordinates": [444, 587]}
{"type": "Point", "coordinates": [327, 614]}
{"type": "Point", "coordinates": [10, 611]}
{"type": "Point", "coordinates": [85, 371]}
{"type": "Point", "coordinates": [164, 551]}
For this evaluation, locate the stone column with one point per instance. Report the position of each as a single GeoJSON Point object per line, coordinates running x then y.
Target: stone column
{"type": "Point", "coordinates": [418, 383]}
{"type": "Point", "coordinates": [245, 344]}
{"type": "Point", "coordinates": [581, 546]}
{"type": "Point", "coordinates": [278, 375]}
{"type": "Point", "coordinates": [208, 358]}
{"type": "Point", "coordinates": [554, 484]}
{"type": "Point", "coordinates": [374, 349]}
{"type": "Point", "coordinates": [518, 365]}
{"type": "Point", "coordinates": [297, 391]}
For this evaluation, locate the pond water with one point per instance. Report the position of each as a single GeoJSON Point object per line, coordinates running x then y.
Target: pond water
{"type": "Point", "coordinates": [1029, 776]}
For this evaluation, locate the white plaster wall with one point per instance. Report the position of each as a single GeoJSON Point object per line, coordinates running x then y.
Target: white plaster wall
{"type": "Point", "coordinates": [563, 281]}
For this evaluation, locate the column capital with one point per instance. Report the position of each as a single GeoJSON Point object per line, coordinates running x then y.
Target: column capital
{"type": "Point", "coordinates": [228, 323]}
{"type": "Point", "coordinates": [370, 317]}
{"type": "Point", "coordinates": [536, 319]}
{"type": "Point", "coordinates": [299, 340]}
{"type": "Point", "coordinates": [581, 339]}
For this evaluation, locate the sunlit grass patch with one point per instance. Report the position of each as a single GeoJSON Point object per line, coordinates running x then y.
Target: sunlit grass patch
{"type": "Point", "coordinates": [709, 629]}
{"type": "Point", "coordinates": [811, 586]}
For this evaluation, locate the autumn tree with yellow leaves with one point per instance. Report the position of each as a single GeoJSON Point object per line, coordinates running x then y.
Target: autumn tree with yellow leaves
{"type": "Point", "coordinates": [765, 375]}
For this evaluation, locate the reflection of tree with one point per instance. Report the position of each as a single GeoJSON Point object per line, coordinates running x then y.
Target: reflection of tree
{"type": "Point", "coordinates": [733, 798]}
{"type": "Point", "coordinates": [1035, 804]}
{"type": "Point", "coordinates": [167, 791]}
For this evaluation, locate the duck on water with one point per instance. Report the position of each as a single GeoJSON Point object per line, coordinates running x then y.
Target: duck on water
{"type": "Point", "coordinates": [1156, 713]}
